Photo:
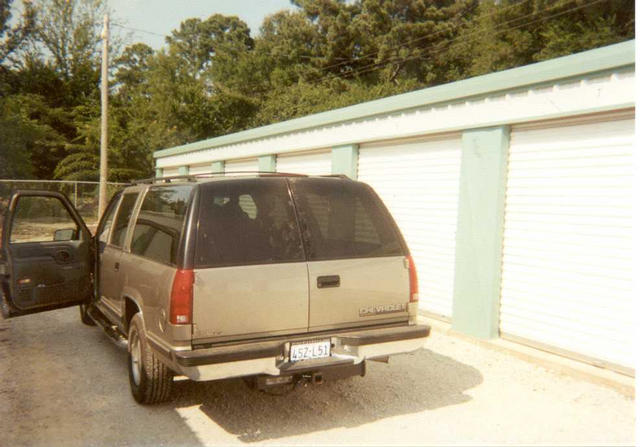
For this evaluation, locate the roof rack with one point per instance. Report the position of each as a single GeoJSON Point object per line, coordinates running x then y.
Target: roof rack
{"type": "Point", "coordinates": [151, 180]}
{"type": "Point", "coordinates": [342, 176]}
{"type": "Point", "coordinates": [196, 177]}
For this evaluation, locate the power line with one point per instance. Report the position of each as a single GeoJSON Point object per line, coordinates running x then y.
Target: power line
{"type": "Point", "coordinates": [380, 65]}
{"type": "Point", "coordinates": [392, 59]}
{"type": "Point", "coordinates": [418, 39]}
{"type": "Point", "coordinates": [139, 30]}
{"type": "Point", "coordinates": [448, 44]}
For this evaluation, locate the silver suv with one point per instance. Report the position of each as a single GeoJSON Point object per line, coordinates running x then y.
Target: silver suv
{"type": "Point", "coordinates": [274, 278]}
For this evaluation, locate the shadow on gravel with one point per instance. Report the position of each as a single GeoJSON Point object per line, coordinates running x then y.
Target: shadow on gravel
{"type": "Point", "coordinates": [62, 383]}
{"type": "Point", "coordinates": [411, 383]}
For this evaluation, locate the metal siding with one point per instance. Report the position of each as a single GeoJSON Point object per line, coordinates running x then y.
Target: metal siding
{"type": "Point", "coordinates": [566, 277]}
{"type": "Point", "coordinates": [419, 183]}
{"type": "Point", "coordinates": [581, 95]}
{"type": "Point", "coordinates": [241, 165]}
{"type": "Point", "coordinates": [170, 172]}
{"type": "Point", "coordinates": [200, 169]}
{"type": "Point", "coordinates": [315, 163]}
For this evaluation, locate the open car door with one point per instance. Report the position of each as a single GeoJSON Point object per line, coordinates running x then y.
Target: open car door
{"type": "Point", "coordinates": [45, 256]}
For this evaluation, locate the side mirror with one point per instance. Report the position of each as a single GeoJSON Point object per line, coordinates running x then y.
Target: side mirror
{"type": "Point", "coordinates": [65, 234]}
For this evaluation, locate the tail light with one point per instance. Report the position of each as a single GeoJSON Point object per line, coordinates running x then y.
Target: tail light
{"type": "Point", "coordinates": [413, 280]}
{"type": "Point", "coordinates": [181, 298]}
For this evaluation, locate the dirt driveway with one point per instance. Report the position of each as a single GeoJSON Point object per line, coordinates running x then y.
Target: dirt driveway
{"type": "Point", "coordinates": [62, 383]}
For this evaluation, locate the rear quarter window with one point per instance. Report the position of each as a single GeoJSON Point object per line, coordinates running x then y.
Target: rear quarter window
{"type": "Point", "coordinates": [160, 223]}
{"type": "Point", "coordinates": [344, 219]}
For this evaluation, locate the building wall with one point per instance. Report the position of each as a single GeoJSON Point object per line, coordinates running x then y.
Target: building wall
{"type": "Point", "coordinates": [512, 190]}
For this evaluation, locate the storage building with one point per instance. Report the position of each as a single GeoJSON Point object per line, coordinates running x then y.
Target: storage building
{"type": "Point", "coordinates": [512, 189]}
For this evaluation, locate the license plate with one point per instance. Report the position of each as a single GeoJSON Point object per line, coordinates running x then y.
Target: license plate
{"type": "Point", "coordinates": [310, 350]}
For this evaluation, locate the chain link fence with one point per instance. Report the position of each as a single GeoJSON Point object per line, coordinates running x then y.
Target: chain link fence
{"type": "Point", "coordinates": [83, 195]}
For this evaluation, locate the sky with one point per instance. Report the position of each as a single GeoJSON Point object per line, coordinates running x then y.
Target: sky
{"type": "Point", "coordinates": [163, 16]}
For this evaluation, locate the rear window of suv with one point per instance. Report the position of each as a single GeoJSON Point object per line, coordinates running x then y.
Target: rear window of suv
{"type": "Point", "coordinates": [343, 219]}
{"type": "Point", "coordinates": [245, 222]}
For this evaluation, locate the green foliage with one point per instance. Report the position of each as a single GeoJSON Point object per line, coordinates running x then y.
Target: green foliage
{"type": "Point", "coordinates": [21, 136]}
{"type": "Point", "coordinates": [516, 32]}
{"type": "Point", "coordinates": [213, 78]}
{"type": "Point", "coordinates": [12, 37]}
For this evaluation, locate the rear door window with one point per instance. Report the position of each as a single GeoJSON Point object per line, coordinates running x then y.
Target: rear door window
{"type": "Point", "coordinates": [245, 222]}
{"type": "Point", "coordinates": [160, 223]}
{"type": "Point", "coordinates": [123, 217]}
{"type": "Point", "coordinates": [344, 219]}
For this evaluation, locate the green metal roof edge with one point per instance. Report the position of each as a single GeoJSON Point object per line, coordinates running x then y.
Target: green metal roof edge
{"type": "Point", "coordinates": [591, 61]}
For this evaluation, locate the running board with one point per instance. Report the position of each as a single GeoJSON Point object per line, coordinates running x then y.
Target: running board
{"type": "Point", "coordinates": [110, 329]}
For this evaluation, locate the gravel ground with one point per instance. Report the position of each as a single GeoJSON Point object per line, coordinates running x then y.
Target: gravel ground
{"type": "Point", "coordinates": [62, 383]}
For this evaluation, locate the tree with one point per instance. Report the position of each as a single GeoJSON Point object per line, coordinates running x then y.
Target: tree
{"type": "Point", "coordinates": [514, 33]}
{"type": "Point", "coordinates": [61, 72]}
{"type": "Point", "coordinates": [213, 78]}
{"type": "Point", "coordinates": [69, 31]}
{"type": "Point", "coordinates": [12, 37]}
{"type": "Point", "coordinates": [187, 81]}
{"type": "Point", "coordinates": [197, 43]}
{"type": "Point", "coordinates": [20, 134]}
{"type": "Point", "coordinates": [129, 156]}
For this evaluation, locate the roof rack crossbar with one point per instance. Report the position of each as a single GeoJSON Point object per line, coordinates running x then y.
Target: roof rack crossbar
{"type": "Point", "coordinates": [195, 177]}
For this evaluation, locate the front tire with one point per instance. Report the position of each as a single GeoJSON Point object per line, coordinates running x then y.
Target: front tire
{"type": "Point", "coordinates": [84, 316]}
{"type": "Point", "coordinates": [150, 379]}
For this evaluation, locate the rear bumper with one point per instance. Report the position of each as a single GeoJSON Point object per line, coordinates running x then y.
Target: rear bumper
{"type": "Point", "coordinates": [272, 357]}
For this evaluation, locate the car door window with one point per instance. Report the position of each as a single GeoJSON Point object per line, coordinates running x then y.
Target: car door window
{"type": "Point", "coordinates": [103, 235]}
{"type": "Point", "coordinates": [42, 219]}
{"type": "Point", "coordinates": [123, 217]}
{"type": "Point", "coordinates": [48, 251]}
{"type": "Point", "coordinates": [160, 223]}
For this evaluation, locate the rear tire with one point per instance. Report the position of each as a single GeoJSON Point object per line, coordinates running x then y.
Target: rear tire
{"type": "Point", "coordinates": [150, 379]}
{"type": "Point", "coordinates": [4, 306]}
{"type": "Point", "coordinates": [84, 316]}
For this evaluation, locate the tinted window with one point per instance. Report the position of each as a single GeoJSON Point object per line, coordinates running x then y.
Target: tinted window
{"type": "Point", "coordinates": [122, 219]}
{"type": "Point", "coordinates": [160, 223]}
{"type": "Point", "coordinates": [103, 236]}
{"type": "Point", "coordinates": [247, 222]}
{"type": "Point", "coordinates": [344, 219]}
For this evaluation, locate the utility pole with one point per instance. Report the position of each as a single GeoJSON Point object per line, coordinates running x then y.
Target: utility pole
{"type": "Point", "coordinates": [104, 104]}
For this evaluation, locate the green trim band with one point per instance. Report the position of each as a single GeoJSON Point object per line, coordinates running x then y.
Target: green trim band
{"type": "Point", "coordinates": [159, 172]}
{"type": "Point", "coordinates": [183, 170]}
{"type": "Point", "coordinates": [587, 62]}
{"type": "Point", "coordinates": [267, 163]}
{"type": "Point", "coordinates": [217, 166]}
{"type": "Point", "coordinates": [344, 160]}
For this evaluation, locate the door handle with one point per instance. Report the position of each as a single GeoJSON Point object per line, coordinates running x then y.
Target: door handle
{"type": "Point", "coordinates": [116, 266]}
{"type": "Point", "coordinates": [62, 257]}
{"type": "Point", "coordinates": [328, 281]}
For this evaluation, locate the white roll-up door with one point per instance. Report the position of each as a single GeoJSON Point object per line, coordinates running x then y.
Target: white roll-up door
{"type": "Point", "coordinates": [310, 163]}
{"type": "Point", "coordinates": [200, 169]}
{"type": "Point", "coordinates": [566, 278]}
{"type": "Point", "coordinates": [419, 183]}
{"type": "Point", "coordinates": [241, 165]}
{"type": "Point", "coordinates": [170, 172]}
